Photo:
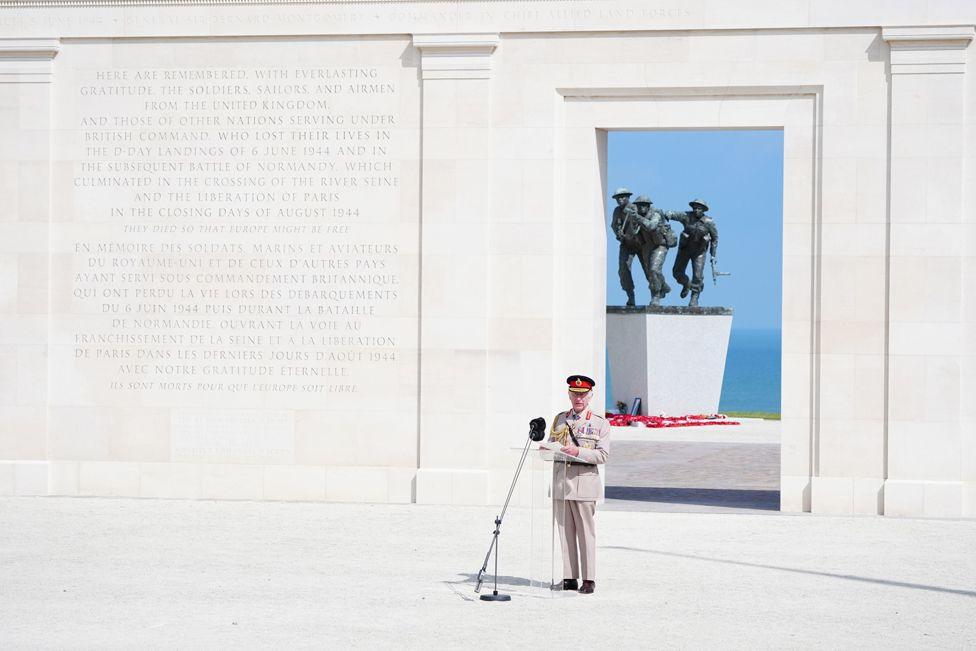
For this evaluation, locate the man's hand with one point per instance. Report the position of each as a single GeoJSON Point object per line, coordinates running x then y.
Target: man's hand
{"type": "Point", "coordinates": [571, 450]}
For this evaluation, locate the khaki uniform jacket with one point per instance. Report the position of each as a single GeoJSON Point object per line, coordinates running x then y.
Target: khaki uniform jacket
{"type": "Point", "coordinates": [575, 481]}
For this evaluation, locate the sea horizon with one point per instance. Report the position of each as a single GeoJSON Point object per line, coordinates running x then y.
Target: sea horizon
{"type": "Point", "coordinates": [752, 380]}
{"type": "Point", "coordinates": [753, 368]}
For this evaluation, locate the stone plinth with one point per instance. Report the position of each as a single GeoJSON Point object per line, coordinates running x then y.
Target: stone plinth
{"type": "Point", "coordinates": [672, 358]}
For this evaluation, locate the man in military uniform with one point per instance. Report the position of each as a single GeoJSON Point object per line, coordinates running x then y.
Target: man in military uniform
{"type": "Point", "coordinates": [700, 236]}
{"type": "Point", "coordinates": [656, 238]}
{"type": "Point", "coordinates": [627, 230]}
{"type": "Point", "coordinates": [576, 485]}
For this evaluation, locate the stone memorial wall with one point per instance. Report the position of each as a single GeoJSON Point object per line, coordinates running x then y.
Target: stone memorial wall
{"type": "Point", "coordinates": [235, 264]}
{"type": "Point", "coordinates": [280, 250]}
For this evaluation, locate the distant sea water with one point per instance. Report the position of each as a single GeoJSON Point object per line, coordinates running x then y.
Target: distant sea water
{"type": "Point", "coordinates": [752, 371]}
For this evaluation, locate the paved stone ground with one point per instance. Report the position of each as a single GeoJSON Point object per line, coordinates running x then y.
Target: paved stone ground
{"type": "Point", "coordinates": [695, 469]}
{"type": "Point", "coordinates": [123, 573]}
{"type": "Point", "coordinates": [729, 571]}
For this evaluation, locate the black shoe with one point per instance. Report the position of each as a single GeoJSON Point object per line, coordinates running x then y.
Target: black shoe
{"type": "Point", "coordinates": [588, 587]}
{"type": "Point", "coordinates": [684, 290]}
{"type": "Point", "coordinates": [570, 584]}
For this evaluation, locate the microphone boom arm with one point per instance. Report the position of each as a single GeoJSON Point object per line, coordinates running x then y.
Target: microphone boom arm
{"type": "Point", "coordinates": [536, 433]}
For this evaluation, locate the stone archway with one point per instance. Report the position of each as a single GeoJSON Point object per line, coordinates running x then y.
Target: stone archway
{"type": "Point", "coordinates": [589, 113]}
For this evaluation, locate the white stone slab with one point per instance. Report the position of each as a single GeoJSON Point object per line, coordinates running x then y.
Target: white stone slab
{"type": "Point", "coordinates": [674, 363]}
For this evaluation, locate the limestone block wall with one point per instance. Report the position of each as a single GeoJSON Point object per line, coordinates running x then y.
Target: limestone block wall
{"type": "Point", "coordinates": [471, 177]}
{"type": "Point", "coordinates": [25, 175]}
{"type": "Point", "coordinates": [967, 375]}
{"type": "Point", "coordinates": [216, 294]}
{"type": "Point", "coordinates": [927, 350]}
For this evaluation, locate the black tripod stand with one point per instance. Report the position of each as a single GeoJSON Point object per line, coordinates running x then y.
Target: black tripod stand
{"type": "Point", "coordinates": [537, 427]}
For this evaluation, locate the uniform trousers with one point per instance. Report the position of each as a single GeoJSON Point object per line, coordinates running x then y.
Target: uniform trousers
{"type": "Point", "coordinates": [697, 258]}
{"type": "Point", "coordinates": [624, 261]}
{"type": "Point", "coordinates": [577, 536]}
{"type": "Point", "coordinates": [655, 265]}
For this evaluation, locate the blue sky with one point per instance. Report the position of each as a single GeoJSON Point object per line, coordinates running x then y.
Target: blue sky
{"type": "Point", "coordinates": [740, 175]}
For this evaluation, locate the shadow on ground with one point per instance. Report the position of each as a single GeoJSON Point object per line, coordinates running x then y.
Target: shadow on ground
{"type": "Point", "coordinates": [489, 578]}
{"type": "Point", "coordinates": [766, 500]}
{"type": "Point", "coordinates": [832, 575]}
{"type": "Point", "coordinates": [464, 588]}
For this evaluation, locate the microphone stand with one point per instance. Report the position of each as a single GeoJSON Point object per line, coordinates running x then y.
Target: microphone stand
{"type": "Point", "coordinates": [495, 596]}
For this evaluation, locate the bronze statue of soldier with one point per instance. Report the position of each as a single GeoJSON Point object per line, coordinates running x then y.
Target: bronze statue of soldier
{"type": "Point", "coordinates": [626, 227]}
{"type": "Point", "coordinates": [700, 236]}
{"type": "Point", "coordinates": [656, 238]}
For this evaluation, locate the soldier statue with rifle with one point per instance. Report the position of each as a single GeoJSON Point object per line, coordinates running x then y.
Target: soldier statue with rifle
{"type": "Point", "coordinates": [700, 236]}
{"type": "Point", "coordinates": [626, 228]}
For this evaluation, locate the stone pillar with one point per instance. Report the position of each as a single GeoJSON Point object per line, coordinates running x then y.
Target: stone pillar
{"type": "Point", "coordinates": [455, 70]}
{"type": "Point", "coordinates": [25, 175]}
{"type": "Point", "coordinates": [968, 388]}
{"type": "Point", "coordinates": [927, 336]}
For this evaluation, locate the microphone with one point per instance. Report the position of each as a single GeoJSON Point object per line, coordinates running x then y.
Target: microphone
{"type": "Point", "coordinates": [537, 429]}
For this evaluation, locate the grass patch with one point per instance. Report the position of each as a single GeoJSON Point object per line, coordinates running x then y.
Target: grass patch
{"type": "Point", "coordinates": [765, 415]}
